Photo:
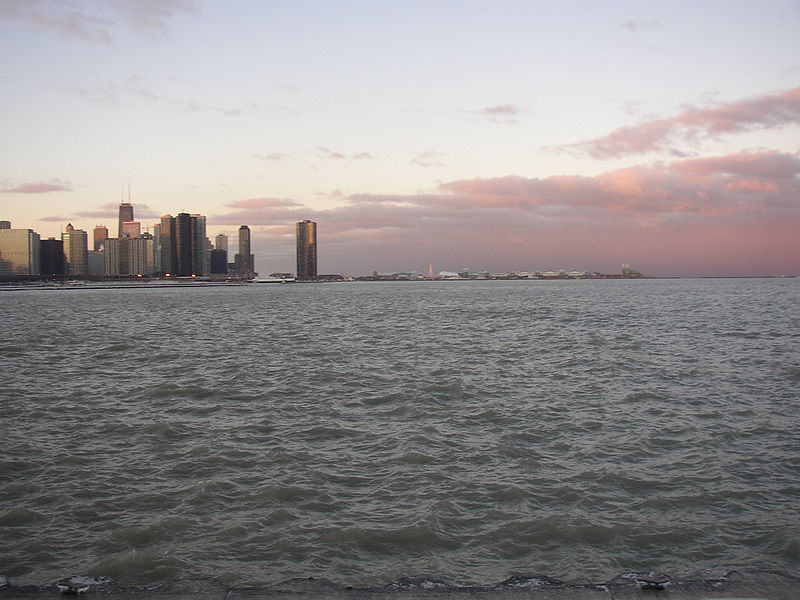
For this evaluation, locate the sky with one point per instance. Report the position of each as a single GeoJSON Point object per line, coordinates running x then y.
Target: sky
{"type": "Point", "coordinates": [502, 136]}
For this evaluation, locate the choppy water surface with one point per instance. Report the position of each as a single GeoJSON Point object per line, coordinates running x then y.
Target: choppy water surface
{"type": "Point", "coordinates": [365, 432]}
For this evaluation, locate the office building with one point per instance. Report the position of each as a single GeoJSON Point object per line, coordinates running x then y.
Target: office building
{"type": "Point", "coordinates": [221, 242]}
{"type": "Point", "coordinates": [117, 254]}
{"type": "Point", "coordinates": [51, 257]}
{"type": "Point", "coordinates": [99, 236]}
{"type": "Point", "coordinates": [219, 262]}
{"type": "Point", "coordinates": [306, 250]}
{"type": "Point", "coordinates": [181, 246]}
{"type": "Point", "coordinates": [244, 260]}
{"type": "Point", "coordinates": [131, 228]}
{"type": "Point", "coordinates": [125, 214]}
{"type": "Point", "coordinates": [19, 252]}
{"type": "Point", "coordinates": [200, 246]}
{"type": "Point", "coordinates": [75, 249]}
{"type": "Point", "coordinates": [142, 255]}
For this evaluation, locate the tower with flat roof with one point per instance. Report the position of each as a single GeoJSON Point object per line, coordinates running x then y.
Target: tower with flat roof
{"type": "Point", "coordinates": [306, 250]}
{"type": "Point", "coordinates": [125, 215]}
{"type": "Point", "coordinates": [244, 260]}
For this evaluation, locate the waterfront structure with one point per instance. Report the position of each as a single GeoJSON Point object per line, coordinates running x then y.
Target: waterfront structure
{"type": "Point", "coordinates": [165, 240]}
{"type": "Point", "coordinates": [125, 214]}
{"type": "Point", "coordinates": [117, 256]}
{"type": "Point", "coordinates": [181, 246]}
{"type": "Point", "coordinates": [219, 262]}
{"type": "Point", "coordinates": [99, 236]}
{"type": "Point", "coordinates": [126, 256]}
{"type": "Point", "coordinates": [142, 255]}
{"type": "Point", "coordinates": [244, 260]}
{"type": "Point", "coordinates": [200, 246]}
{"type": "Point", "coordinates": [19, 252]}
{"type": "Point", "coordinates": [51, 257]}
{"type": "Point", "coordinates": [75, 250]}
{"type": "Point", "coordinates": [306, 250]}
{"type": "Point", "coordinates": [95, 264]}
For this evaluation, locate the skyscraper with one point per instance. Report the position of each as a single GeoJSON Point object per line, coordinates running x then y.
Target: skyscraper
{"type": "Point", "coordinates": [100, 236]}
{"type": "Point", "coordinates": [182, 245]}
{"type": "Point", "coordinates": [75, 249]}
{"type": "Point", "coordinates": [51, 257]}
{"type": "Point", "coordinates": [19, 252]}
{"type": "Point", "coordinates": [125, 214]}
{"type": "Point", "coordinates": [306, 250]}
{"type": "Point", "coordinates": [245, 261]}
{"type": "Point", "coordinates": [221, 242]}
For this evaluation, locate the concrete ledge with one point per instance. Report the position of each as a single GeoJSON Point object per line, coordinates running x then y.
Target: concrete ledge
{"type": "Point", "coordinates": [736, 585]}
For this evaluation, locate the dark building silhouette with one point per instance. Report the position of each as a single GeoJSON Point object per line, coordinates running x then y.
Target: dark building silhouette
{"type": "Point", "coordinates": [182, 245]}
{"type": "Point", "coordinates": [51, 257]}
{"type": "Point", "coordinates": [125, 214]}
{"type": "Point", "coordinates": [219, 261]}
{"type": "Point", "coordinates": [306, 250]}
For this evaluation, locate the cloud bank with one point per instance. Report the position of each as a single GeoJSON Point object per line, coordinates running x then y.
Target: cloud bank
{"type": "Point", "coordinates": [693, 125]}
{"type": "Point", "coordinates": [736, 214]}
{"type": "Point", "coordinates": [41, 187]}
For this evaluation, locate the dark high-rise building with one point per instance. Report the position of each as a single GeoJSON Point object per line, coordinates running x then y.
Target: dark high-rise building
{"type": "Point", "coordinates": [100, 236]}
{"type": "Point", "coordinates": [219, 262]}
{"type": "Point", "coordinates": [125, 214]}
{"type": "Point", "coordinates": [306, 250]}
{"type": "Point", "coordinates": [51, 257]}
{"type": "Point", "coordinates": [182, 245]}
{"type": "Point", "coordinates": [244, 260]}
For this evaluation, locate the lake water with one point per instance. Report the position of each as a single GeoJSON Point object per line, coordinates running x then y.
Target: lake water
{"type": "Point", "coordinates": [466, 431]}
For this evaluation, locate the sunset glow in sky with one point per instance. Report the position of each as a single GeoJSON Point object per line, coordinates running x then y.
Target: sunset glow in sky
{"type": "Point", "coordinates": [501, 136]}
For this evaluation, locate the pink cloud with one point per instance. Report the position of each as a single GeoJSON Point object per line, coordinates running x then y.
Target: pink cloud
{"type": "Point", "coordinates": [505, 110]}
{"type": "Point", "coordinates": [42, 187]}
{"type": "Point", "coordinates": [277, 156]}
{"type": "Point", "coordinates": [264, 203]}
{"type": "Point", "coordinates": [503, 113]}
{"type": "Point", "coordinates": [770, 111]}
{"type": "Point", "coordinates": [148, 18]}
{"type": "Point", "coordinates": [326, 153]}
{"type": "Point", "coordinates": [725, 215]}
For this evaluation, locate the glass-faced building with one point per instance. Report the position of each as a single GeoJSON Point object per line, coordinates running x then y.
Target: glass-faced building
{"type": "Point", "coordinates": [19, 252]}
{"type": "Point", "coordinates": [306, 250]}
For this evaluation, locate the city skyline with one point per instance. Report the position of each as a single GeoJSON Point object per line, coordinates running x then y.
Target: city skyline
{"type": "Point", "coordinates": [506, 136]}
